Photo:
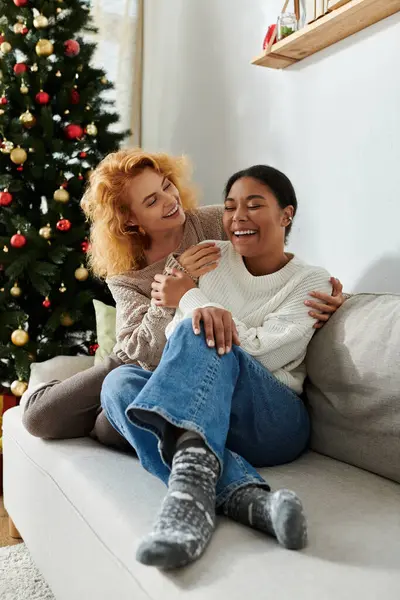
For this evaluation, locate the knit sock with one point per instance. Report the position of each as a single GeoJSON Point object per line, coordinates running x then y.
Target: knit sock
{"type": "Point", "coordinates": [186, 520]}
{"type": "Point", "coordinates": [277, 513]}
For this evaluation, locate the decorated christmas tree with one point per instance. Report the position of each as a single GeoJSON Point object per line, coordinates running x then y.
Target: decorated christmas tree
{"type": "Point", "coordinates": [54, 129]}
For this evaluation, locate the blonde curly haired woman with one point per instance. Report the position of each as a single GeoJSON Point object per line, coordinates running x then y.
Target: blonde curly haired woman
{"type": "Point", "coordinates": [144, 222]}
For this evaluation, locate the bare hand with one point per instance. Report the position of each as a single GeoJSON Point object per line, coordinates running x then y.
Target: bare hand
{"type": "Point", "coordinates": [201, 259]}
{"type": "Point", "coordinates": [328, 305]}
{"type": "Point", "coordinates": [219, 327]}
{"type": "Point", "coordinates": [168, 290]}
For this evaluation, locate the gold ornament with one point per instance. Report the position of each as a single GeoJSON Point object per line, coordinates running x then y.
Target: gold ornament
{"type": "Point", "coordinates": [40, 22]}
{"type": "Point", "coordinates": [44, 48]}
{"type": "Point", "coordinates": [2, 111]}
{"type": "Point", "coordinates": [18, 387]}
{"type": "Point", "coordinates": [24, 88]}
{"type": "Point", "coordinates": [58, 74]}
{"type": "Point", "coordinates": [66, 112]}
{"type": "Point", "coordinates": [104, 80]}
{"type": "Point", "coordinates": [58, 10]}
{"type": "Point", "coordinates": [66, 320]}
{"type": "Point", "coordinates": [5, 47]}
{"type": "Point", "coordinates": [45, 232]}
{"type": "Point", "coordinates": [62, 288]}
{"type": "Point", "coordinates": [18, 156]}
{"type": "Point", "coordinates": [7, 147]}
{"type": "Point", "coordinates": [5, 248]}
{"type": "Point", "coordinates": [28, 120]}
{"type": "Point", "coordinates": [91, 129]}
{"type": "Point", "coordinates": [34, 68]}
{"type": "Point", "coordinates": [19, 337]}
{"type": "Point", "coordinates": [16, 290]}
{"type": "Point", "coordinates": [31, 150]}
{"type": "Point", "coordinates": [81, 274]}
{"type": "Point", "coordinates": [19, 27]}
{"type": "Point", "coordinates": [61, 195]}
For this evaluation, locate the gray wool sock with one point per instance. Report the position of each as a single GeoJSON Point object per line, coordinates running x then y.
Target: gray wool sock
{"type": "Point", "coordinates": [277, 513]}
{"type": "Point", "coordinates": [186, 520]}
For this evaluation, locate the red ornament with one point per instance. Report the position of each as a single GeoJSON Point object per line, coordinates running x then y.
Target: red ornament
{"type": "Point", "coordinates": [2, 38]}
{"type": "Point", "coordinates": [42, 97]}
{"type": "Point", "coordinates": [20, 3]}
{"type": "Point", "coordinates": [63, 225]}
{"type": "Point", "coordinates": [73, 132]}
{"type": "Point", "coordinates": [20, 68]}
{"type": "Point", "coordinates": [24, 31]}
{"type": "Point", "coordinates": [71, 48]}
{"type": "Point", "coordinates": [75, 97]}
{"type": "Point", "coordinates": [3, 101]}
{"type": "Point", "coordinates": [64, 185]}
{"type": "Point", "coordinates": [93, 348]}
{"type": "Point", "coordinates": [46, 303]}
{"type": "Point", "coordinates": [85, 246]}
{"type": "Point", "coordinates": [5, 198]}
{"type": "Point", "coordinates": [82, 154]}
{"type": "Point", "coordinates": [20, 168]}
{"type": "Point", "coordinates": [18, 240]}
{"type": "Point", "coordinates": [81, 177]}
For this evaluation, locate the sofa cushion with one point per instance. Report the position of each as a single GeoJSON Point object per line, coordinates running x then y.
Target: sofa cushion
{"type": "Point", "coordinates": [105, 326]}
{"type": "Point", "coordinates": [57, 368]}
{"type": "Point", "coordinates": [354, 385]}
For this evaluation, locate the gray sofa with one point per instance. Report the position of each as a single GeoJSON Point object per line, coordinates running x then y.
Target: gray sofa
{"type": "Point", "coordinates": [81, 508]}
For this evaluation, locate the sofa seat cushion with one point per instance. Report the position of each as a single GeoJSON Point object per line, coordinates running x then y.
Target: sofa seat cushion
{"type": "Point", "coordinates": [354, 385]}
{"type": "Point", "coordinates": [354, 526]}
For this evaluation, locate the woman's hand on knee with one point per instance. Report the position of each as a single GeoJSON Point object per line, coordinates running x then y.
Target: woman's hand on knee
{"type": "Point", "coordinates": [219, 328]}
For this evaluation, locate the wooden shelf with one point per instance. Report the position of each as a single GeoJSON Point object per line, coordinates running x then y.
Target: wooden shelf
{"type": "Point", "coordinates": [329, 29]}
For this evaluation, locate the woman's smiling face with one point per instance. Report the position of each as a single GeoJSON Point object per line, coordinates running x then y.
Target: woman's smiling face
{"type": "Point", "coordinates": [253, 220]}
{"type": "Point", "coordinates": [154, 203]}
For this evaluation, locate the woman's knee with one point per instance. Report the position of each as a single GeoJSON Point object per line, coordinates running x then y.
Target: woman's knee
{"type": "Point", "coordinates": [38, 418]}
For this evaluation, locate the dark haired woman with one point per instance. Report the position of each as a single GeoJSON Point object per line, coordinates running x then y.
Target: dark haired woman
{"type": "Point", "coordinates": [212, 411]}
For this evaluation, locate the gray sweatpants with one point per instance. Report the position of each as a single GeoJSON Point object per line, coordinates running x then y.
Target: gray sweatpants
{"type": "Point", "coordinates": [71, 408]}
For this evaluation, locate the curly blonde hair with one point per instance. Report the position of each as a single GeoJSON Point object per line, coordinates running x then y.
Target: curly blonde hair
{"type": "Point", "coordinates": [116, 247]}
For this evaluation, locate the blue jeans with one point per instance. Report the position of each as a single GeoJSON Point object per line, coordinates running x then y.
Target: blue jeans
{"type": "Point", "coordinates": [244, 414]}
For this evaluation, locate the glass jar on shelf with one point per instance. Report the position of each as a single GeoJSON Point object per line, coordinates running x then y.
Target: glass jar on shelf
{"type": "Point", "coordinates": [287, 24]}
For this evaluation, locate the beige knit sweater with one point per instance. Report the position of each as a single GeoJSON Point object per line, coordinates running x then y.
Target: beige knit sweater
{"type": "Point", "coordinates": [140, 326]}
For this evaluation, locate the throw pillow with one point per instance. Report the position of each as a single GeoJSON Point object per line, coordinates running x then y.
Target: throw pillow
{"type": "Point", "coordinates": [105, 324]}
{"type": "Point", "coordinates": [354, 385]}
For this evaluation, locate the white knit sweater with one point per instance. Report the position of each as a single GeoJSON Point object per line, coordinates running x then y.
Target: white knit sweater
{"type": "Point", "coordinates": [272, 321]}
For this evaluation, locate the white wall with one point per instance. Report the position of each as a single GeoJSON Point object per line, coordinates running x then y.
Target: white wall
{"type": "Point", "coordinates": [331, 123]}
